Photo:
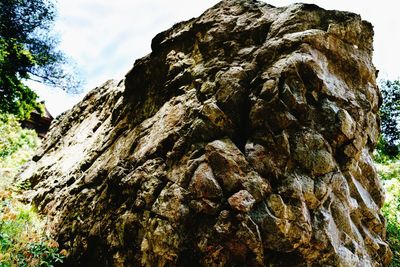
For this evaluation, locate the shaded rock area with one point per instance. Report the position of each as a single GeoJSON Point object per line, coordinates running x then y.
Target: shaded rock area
{"type": "Point", "coordinates": [243, 139]}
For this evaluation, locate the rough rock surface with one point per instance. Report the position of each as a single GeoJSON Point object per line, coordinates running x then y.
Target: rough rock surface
{"type": "Point", "coordinates": [243, 139]}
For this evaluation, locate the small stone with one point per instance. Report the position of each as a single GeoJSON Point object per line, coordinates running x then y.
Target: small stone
{"type": "Point", "coordinates": [347, 124]}
{"type": "Point", "coordinates": [277, 206]}
{"type": "Point", "coordinates": [204, 206]}
{"type": "Point", "coordinates": [170, 203]}
{"type": "Point", "coordinates": [268, 90]}
{"type": "Point", "coordinates": [227, 162]}
{"type": "Point", "coordinates": [256, 186]}
{"type": "Point", "coordinates": [311, 151]}
{"type": "Point", "coordinates": [216, 116]}
{"type": "Point", "coordinates": [203, 183]}
{"type": "Point", "coordinates": [242, 201]}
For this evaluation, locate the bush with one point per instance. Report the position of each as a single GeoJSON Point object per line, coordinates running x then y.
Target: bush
{"type": "Point", "coordinates": [390, 118]}
{"type": "Point", "coordinates": [390, 175]}
{"type": "Point", "coordinates": [23, 241]}
{"type": "Point", "coordinates": [17, 146]}
{"type": "Point", "coordinates": [385, 153]}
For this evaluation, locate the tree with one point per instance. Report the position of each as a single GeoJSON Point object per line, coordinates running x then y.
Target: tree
{"type": "Point", "coordinates": [28, 50]}
{"type": "Point", "coordinates": [390, 118]}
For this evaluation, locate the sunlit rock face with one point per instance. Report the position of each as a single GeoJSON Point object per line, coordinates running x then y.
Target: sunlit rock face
{"type": "Point", "coordinates": [243, 139]}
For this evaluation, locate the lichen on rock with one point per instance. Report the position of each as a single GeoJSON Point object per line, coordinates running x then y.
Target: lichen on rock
{"type": "Point", "coordinates": [243, 139]}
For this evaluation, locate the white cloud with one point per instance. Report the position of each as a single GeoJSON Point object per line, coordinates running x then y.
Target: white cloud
{"type": "Point", "coordinates": [385, 18]}
{"type": "Point", "coordinates": [56, 100]}
{"type": "Point", "coordinates": [105, 37]}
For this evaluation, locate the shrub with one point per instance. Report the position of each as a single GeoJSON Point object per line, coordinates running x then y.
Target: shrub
{"type": "Point", "coordinates": [23, 241]}
{"type": "Point", "coordinates": [389, 143]}
{"type": "Point", "coordinates": [17, 146]}
{"type": "Point", "coordinates": [390, 175]}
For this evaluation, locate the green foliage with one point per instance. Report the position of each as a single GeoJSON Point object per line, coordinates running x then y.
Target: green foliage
{"type": "Point", "coordinates": [28, 50]}
{"type": "Point", "coordinates": [14, 63]}
{"type": "Point", "coordinates": [387, 154]}
{"type": "Point", "coordinates": [13, 137]}
{"type": "Point", "coordinates": [23, 241]}
{"type": "Point", "coordinates": [17, 146]}
{"type": "Point", "coordinates": [391, 211]}
{"type": "Point", "coordinates": [389, 171]}
{"type": "Point", "coordinates": [389, 144]}
{"type": "Point", "coordinates": [381, 154]}
{"type": "Point", "coordinates": [390, 175]}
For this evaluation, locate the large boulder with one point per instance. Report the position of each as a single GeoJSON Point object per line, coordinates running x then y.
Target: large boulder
{"type": "Point", "coordinates": [243, 139]}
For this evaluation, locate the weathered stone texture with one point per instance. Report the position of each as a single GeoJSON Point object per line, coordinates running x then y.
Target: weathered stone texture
{"type": "Point", "coordinates": [243, 139]}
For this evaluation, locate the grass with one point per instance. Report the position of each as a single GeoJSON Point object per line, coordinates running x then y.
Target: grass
{"type": "Point", "coordinates": [390, 175]}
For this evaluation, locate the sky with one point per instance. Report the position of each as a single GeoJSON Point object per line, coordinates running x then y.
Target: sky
{"type": "Point", "coordinates": [105, 37]}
